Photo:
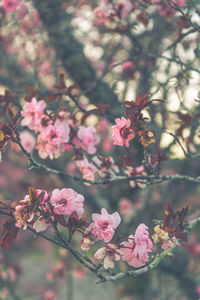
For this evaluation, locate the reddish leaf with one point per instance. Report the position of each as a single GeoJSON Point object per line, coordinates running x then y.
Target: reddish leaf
{"type": "Point", "coordinates": [9, 234]}
{"type": "Point", "coordinates": [10, 113]}
{"type": "Point", "coordinates": [32, 91]}
{"type": "Point", "coordinates": [62, 84]}
{"type": "Point", "coordinates": [52, 97]}
{"type": "Point", "coordinates": [181, 236]}
{"type": "Point", "coordinates": [60, 220]}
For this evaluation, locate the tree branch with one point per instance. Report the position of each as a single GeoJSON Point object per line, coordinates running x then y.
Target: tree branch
{"type": "Point", "coordinates": [58, 25]}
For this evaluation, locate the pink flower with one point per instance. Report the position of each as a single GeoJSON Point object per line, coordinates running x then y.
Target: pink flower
{"type": "Point", "coordinates": [122, 133]}
{"type": "Point", "coordinates": [104, 225]}
{"type": "Point", "coordinates": [87, 169]}
{"type": "Point", "coordinates": [10, 5]}
{"type": "Point", "coordinates": [126, 208]}
{"type": "Point", "coordinates": [22, 10]}
{"type": "Point", "coordinates": [32, 113]}
{"type": "Point", "coordinates": [128, 70]}
{"type": "Point", "coordinates": [53, 139]}
{"type": "Point", "coordinates": [67, 201]}
{"type": "Point", "coordinates": [78, 274]}
{"type": "Point", "coordinates": [108, 254]}
{"type": "Point", "coordinates": [137, 248]}
{"type": "Point", "coordinates": [125, 8]}
{"type": "Point", "coordinates": [23, 214]}
{"type": "Point", "coordinates": [88, 138]}
{"type": "Point", "coordinates": [28, 140]}
{"type": "Point", "coordinates": [50, 295]}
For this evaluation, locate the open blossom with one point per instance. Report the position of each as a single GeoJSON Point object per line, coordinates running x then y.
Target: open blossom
{"type": "Point", "coordinates": [108, 254]}
{"type": "Point", "coordinates": [22, 10]}
{"type": "Point", "coordinates": [50, 295]}
{"type": "Point", "coordinates": [10, 5]}
{"type": "Point", "coordinates": [87, 169]}
{"type": "Point", "coordinates": [28, 140]}
{"type": "Point", "coordinates": [53, 139]}
{"type": "Point", "coordinates": [32, 113]}
{"type": "Point", "coordinates": [105, 16]}
{"type": "Point", "coordinates": [67, 201]}
{"type": "Point", "coordinates": [137, 248]}
{"type": "Point", "coordinates": [88, 139]}
{"type": "Point", "coordinates": [23, 213]}
{"type": "Point", "coordinates": [122, 133]}
{"type": "Point", "coordinates": [125, 8]}
{"type": "Point", "coordinates": [126, 208]}
{"type": "Point", "coordinates": [104, 225]}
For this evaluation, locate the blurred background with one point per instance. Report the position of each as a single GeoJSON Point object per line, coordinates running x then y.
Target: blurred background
{"type": "Point", "coordinates": [112, 50]}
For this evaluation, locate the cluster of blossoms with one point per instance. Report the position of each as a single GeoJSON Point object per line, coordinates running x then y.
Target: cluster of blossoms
{"type": "Point", "coordinates": [39, 211]}
{"type": "Point", "coordinates": [55, 132]}
{"type": "Point", "coordinates": [134, 252]}
{"type": "Point", "coordinates": [103, 227]}
{"type": "Point", "coordinates": [137, 248]}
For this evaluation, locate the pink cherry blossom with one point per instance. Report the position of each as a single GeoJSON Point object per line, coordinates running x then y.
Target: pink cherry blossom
{"type": "Point", "coordinates": [87, 169]}
{"type": "Point", "coordinates": [10, 5]}
{"type": "Point", "coordinates": [28, 140]}
{"type": "Point", "coordinates": [23, 214]}
{"type": "Point", "coordinates": [125, 8]}
{"type": "Point", "coordinates": [126, 208]}
{"type": "Point", "coordinates": [128, 70]}
{"type": "Point", "coordinates": [22, 10]}
{"type": "Point", "coordinates": [88, 138]}
{"type": "Point", "coordinates": [32, 113]}
{"type": "Point", "coordinates": [137, 248]}
{"type": "Point", "coordinates": [122, 133]}
{"type": "Point", "coordinates": [67, 201]}
{"type": "Point", "coordinates": [50, 295]}
{"type": "Point", "coordinates": [53, 139]}
{"type": "Point", "coordinates": [104, 225]}
{"type": "Point", "coordinates": [108, 254]}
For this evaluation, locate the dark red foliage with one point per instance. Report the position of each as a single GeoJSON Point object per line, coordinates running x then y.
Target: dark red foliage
{"type": "Point", "coordinates": [173, 222]}
{"type": "Point", "coordinates": [134, 109]}
{"type": "Point", "coordinates": [74, 222]}
{"type": "Point", "coordinates": [9, 234]}
{"type": "Point", "coordinates": [156, 159]}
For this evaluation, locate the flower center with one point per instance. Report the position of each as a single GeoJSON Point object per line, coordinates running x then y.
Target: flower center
{"type": "Point", "coordinates": [62, 202]}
